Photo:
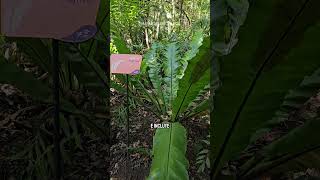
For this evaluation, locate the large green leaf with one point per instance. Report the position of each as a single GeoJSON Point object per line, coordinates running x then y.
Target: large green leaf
{"type": "Point", "coordinates": [103, 16]}
{"type": "Point", "coordinates": [170, 68]}
{"type": "Point", "coordinates": [154, 67]}
{"type": "Point", "coordinates": [155, 71]}
{"type": "Point", "coordinates": [196, 78]}
{"type": "Point", "coordinates": [200, 107]}
{"type": "Point", "coordinates": [295, 98]}
{"type": "Point", "coordinates": [169, 149]}
{"type": "Point", "coordinates": [193, 50]}
{"type": "Point", "coordinates": [277, 47]}
{"type": "Point", "coordinates": [298, 150]}
{"type": "Point", "coordinates": [293, 101]}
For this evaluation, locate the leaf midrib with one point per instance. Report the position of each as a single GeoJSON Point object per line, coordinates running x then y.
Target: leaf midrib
{"type": "Point", "coordinates": [169, 152]}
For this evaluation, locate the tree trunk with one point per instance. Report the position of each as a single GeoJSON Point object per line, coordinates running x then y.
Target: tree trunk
{"type": "Point", "coordinates": [159, 21]}
{"type": "Point", "coordinates": [173, 13]}
{"type": "Point", "coordinates": [146, 33]}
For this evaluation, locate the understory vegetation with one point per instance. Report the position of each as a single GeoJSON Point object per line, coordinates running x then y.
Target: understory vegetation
{"type": "Point", "coordinates": [28, 131]}
{"type": "Point", "coordinates": [242, 99]}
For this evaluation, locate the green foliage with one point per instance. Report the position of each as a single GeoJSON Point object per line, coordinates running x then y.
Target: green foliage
{"type": "Point", "coordinates": [167, 71]}
{"type": "Point", "coordinates": [79, 71]}
{"type": "Point", "coordinates": [170, 66]}
{"type": "Point", "coordinates": [87, 72]}
{"type": "Point", "coordinates": [203, 157]}
{"type": "Point", "coordinates": [293, 100]}
{"type": "Point", "coordinates": [169, 148]}
{"type": "Point", "coordinates": [275, 51]}
{"type": "Point", "coordinates": [41, 159]}
{"type": "Point", "coordinates": [195, 79]}
{"type": "Point", "coordinates": [286, 154]}
{"type": "Point", "coordinates": [39, 150]}
{"type": "Point", "coordinates": [113, 48]}
{"type": "Point", "coordinates": [166, 65]}
{"type": "Point", "coordinates": [120, 113]}
{"type": "Point", "coordinates": [142, 23]}
{"type": "Point", "coordinates": [41, 91]}
{"type": "Point", "coordinates": [10, 73]}
{"type": "Point", "coordinates": [172, 83]}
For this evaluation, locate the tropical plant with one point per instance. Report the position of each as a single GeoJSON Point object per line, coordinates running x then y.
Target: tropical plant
{"type": "Point", "coordinates": [163, 69]}
{"type": "Point", "coordinates": [173, 140]}
{"type": "Point", "coordinates": [261, 67]}
{"type": "Point", "coordinates": [174, 77]}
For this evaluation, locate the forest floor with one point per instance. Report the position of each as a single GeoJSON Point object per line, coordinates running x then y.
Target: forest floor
{"type": "Point", "coordinates": [17, 114]}
{"type": "Point", "coordinates": [140, 139]}
{"type": "Point", "coordinates": [18, 110]}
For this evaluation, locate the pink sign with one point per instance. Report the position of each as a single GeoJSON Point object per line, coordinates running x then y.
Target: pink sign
{"type": "Point", "coordinates": [125, 63]}
{"type": "Point", "coordinates": [67, 20]}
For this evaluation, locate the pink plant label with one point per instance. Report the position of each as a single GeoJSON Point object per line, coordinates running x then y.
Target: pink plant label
{"type": "Point", "coordinates": [125, 63]}
{"type": "Point", "coordinates": [66, 20]}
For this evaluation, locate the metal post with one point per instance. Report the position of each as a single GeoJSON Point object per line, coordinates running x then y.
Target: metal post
{"type": "Point", "coordinates": [128, 111]}
{"type": "Point", "coordinates": [56, 87]}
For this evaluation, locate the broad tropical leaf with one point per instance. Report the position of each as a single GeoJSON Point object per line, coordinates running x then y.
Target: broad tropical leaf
{"type": "Point", "coordinates": [195, 79]}
{"type": "Point", "coordinates": [170, 67]}
{"type": "Point", "coordinates": [278, 38]}
{"type": "Point", "coordinates": [169, 149]}
{"type": "Point", "coordinates": [154, 73]}
{"type": "Point", "coordinates": [288, 153]}
{"type": "Point", "coordinates": [199, 108]}
{"type": "Point", "coordinates": [194, 46]}
{"type": "Point", "coordinates": [102, 17]}
{"type": "Point", "coordinates": [154, 67]}
{"type": "Point", "coordinates": [295, 98]}
{"type": "Point", "coordinates": [293, 101]}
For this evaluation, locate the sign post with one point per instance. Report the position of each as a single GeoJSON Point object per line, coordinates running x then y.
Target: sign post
{"type": "Point", "coordinates": [128, 64]}
{"type": "Point", "coordinates": [56, 101]}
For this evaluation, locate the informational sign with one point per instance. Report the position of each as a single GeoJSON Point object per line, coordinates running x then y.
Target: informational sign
{"type": "Point", "coordinates": [66, 20]}
{"type": "Point", "coordinates": [125, 63]}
